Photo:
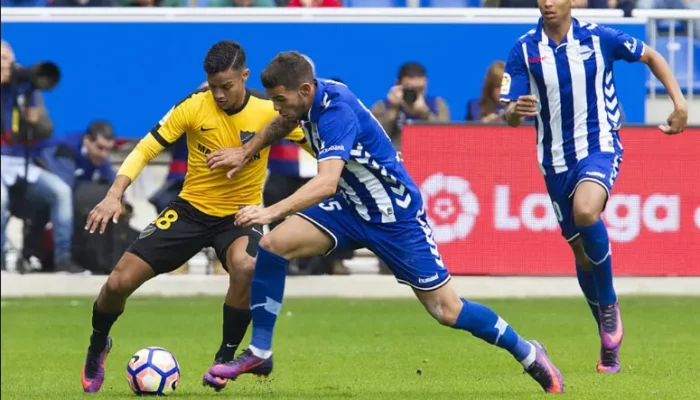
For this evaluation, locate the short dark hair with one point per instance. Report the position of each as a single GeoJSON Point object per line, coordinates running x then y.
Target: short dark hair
{"type": "Point", "coordinates": [224, 55]}
{"type": "Point", "coordinates": [100, 128]}
{"type": "Point", "coordinates": [412, 70]}
{"type": "Point", "coordinates": [289, 69]}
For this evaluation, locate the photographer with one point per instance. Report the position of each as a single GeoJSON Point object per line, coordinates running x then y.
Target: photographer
{"type": "Point", "coordinates": [24, 184]}
{"type": "Point", "coordinates": [408, 100]}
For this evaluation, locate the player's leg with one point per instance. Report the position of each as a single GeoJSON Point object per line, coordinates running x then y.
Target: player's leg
{"type": "Point", "coordinates": [596, 176]}
{"type": "Point", "coordinates": [236, 248]}
{"type": "Point", "coordinates": [482, 322]}
{"type": "Point", "coordinates": [586, 279]}
{"type": "Point", "coordinates": [412, 255]}
{"type": "Point", "coordinates": [162, 247]}
{"type": "Point", "coordinates": [314, 232]}
{"type": "Point", "coordinates": [559, 187]}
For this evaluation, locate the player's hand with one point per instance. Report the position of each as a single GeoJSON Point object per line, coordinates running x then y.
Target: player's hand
{"type": "Point", "coordinates": [254, 215]}
{"type": "Point", "coordinates": [110, 208]}
{"type": "Point", "coordinates": [395, 96]}
{"type": "Point", "coordinates": [677, 122]}
{"type": "Point", "coordinates": [233, 158]}
{"type": "Point", "coordinates": [527, 106]}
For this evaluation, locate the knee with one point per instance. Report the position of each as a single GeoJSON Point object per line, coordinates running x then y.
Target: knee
{"type": "Point", "coordinates": [241, 264]}
{"type": "Point", "coordinates": [586, 213]}
{"type": "Point", "coordinates": [445, 314]}
{"type": "Point", "coordinates": [118, 285]}
{"type": "Point", "coordinates": [271, 243]}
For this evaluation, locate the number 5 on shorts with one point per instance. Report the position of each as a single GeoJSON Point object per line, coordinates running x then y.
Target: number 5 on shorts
{"type": "Point", "coordinates": [166, 219]}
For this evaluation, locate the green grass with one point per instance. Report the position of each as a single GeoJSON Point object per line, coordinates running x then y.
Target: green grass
{"type": "Point", "coordinates": [358, 349]}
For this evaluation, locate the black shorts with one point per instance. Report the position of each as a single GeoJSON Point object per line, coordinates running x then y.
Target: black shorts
{"type": "Point", "coordinates": [181, 231]}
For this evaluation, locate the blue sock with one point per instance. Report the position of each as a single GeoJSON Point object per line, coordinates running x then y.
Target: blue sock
{"type": "Point", "coordinates": [266, 292]}
{"type": "Point", "coordinates": [586, 280]}
{"type": "Point", "coordinates": [485, 324]}
{"type": "Point", "coordinates": [597, 247]}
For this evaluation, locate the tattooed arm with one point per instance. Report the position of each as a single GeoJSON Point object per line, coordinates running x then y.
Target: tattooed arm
{"type": "Point", "coordinates": [277, 129]}
{"type": "Point", "coordinates": [237, 157]}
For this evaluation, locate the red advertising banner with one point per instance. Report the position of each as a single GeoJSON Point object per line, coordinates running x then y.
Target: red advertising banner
{"type": "Point", "coordinates": [491, 215]}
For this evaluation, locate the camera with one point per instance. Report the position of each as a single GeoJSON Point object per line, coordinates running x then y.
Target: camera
{"type": "Point", "coordinates": [410, 95]}
{"type": "Point", "coordinates": [43, 75]}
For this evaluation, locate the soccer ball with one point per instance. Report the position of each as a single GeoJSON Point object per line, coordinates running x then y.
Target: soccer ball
{"type": "Point", "coordinates": [154, 371]}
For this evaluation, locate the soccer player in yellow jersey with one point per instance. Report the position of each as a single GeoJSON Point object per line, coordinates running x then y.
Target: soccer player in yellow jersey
{"type": "Point", "coordinates": [226, 115]}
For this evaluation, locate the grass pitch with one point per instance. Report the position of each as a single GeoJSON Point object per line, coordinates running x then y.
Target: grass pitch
{"type": "Point", "coordinates": [358, 349]}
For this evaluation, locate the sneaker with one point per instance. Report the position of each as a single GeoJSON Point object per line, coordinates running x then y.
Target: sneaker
{"type": "Point", "coordinates": [544, 372]}
{"type": "Point", "coordinates": [93, 374]}
{"type": "Point", "coordinates": [212, 381]}
{"type": "Point", "coordinates": [246, 363]}
{"type": "Point", "coordinates": [611, 335]}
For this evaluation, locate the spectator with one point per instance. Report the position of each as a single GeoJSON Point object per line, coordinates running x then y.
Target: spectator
{"type": "Point", "coordinates": [84, 157]}
{"type": "Point", "coordinates": [23, 182]}
{"type": "Point", "coordinates": [408, 101]}
{"type": "Point", "coordinates": [488, 108]}
{"type": "Point", "coordinates": [314, 3]}
{"type": "Point", "coordinates": [242, 3]}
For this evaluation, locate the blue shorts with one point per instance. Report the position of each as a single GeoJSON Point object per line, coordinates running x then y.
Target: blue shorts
{"type": "Point", "coordinates": [407, 247]}
{"type": "Point", "coordinates": [601, 168]}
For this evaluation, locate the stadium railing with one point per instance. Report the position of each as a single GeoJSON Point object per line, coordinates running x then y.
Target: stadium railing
{"type": "Point", "coordinates": [673, 34]}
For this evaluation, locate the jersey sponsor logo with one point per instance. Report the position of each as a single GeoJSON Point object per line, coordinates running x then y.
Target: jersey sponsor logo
{"type": "Point", "coordinates": [505, 83]}
{"type": "Point", "coordinates": [203, 149]}
{"type": "Point", "coordinates": [335, 147]}
{"type": "Point", "coordinates": [452, 205]}
{"type": "Point", "coordinates": [429, 279]}
{"type": "Point", "coordinates": [535, 60]}
{"type": "Point", "coordinates": [596, 174]}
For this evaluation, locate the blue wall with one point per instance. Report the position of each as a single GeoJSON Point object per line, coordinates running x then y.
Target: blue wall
{"type": "Point", "coordinates": [131, 73]}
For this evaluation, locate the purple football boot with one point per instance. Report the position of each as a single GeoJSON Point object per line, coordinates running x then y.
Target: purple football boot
{"type": "Point", "coordinates": [93, 374]}
{"type": "Point", "coordinates": [611, 335]}
{"type": "Point", "coordinates": [544, 372]}
{"type": "Point", "coordinates": [246, 363]}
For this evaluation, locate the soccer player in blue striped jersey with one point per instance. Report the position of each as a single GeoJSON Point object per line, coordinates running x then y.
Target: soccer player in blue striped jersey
{"type": "Point", "coordinates": [561, 72]}
{"type": "Point", "coordinates": [361, 197]}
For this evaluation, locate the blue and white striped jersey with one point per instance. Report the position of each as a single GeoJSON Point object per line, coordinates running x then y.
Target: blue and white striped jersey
{"type": "Point", "coordinates": [374, 180]}
{"type": "Point", "coordinates": [574, 83]}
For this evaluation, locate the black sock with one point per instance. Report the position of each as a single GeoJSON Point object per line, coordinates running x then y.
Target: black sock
{"type": "Point", "coordinates": [236, 321]}
{"type": "Point", "coordinates": [101, 324]}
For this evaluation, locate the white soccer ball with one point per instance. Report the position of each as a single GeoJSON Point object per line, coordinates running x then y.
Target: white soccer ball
{"type": "Point", "coordinates": [153, 371]}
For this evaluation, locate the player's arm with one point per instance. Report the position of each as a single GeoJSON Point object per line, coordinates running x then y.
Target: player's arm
{"type": "Point", "coordinates": [236, 158]}
{"type": "Point", "coordinates": [515, 89]}
{"type": "Point", "coordinates": [625, 47]}
{"type": "Point", "coordinates": [166, 132]}
{"type": "Point", "coordinates": [339, 128]}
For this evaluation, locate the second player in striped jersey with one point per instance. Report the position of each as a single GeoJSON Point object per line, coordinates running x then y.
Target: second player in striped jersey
{"type": "Point", "coordinates": [561, 72]}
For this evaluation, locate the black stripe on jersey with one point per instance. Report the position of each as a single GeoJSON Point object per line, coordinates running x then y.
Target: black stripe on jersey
{"type": "Point", "coordinates": [156, 128]}
{"type": "Point", "coordinates": [301, 141]}
{"type": "Point", "coordinates": [239, 109]}
{"type": "Point", "coordinates": [160, 139]}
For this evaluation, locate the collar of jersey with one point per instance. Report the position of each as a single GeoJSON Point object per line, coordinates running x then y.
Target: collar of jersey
{"type": "Point", "coordinates": [234, 111]}
{"type": "Point", "coordinates": [315, 109]}
{"type": "Point", "coordinates": [540, 36]}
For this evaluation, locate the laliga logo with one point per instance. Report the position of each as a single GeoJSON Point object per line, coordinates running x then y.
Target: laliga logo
{"type": "Point", "coordinates": [452, 207]}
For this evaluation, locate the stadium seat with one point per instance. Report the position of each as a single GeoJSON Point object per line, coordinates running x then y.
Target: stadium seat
{"type": "Point", "coordinates": [679, 47]}
{"type": "Point", "coordinates": [450, 3]}
{"type": "Point", "coordinates": [664, 26]}
{"type": "Point", "coordinates": [375, 3]}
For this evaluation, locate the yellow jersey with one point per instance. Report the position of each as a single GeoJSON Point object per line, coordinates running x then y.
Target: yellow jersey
{"type": "Point", "coordinates": [209, 128]}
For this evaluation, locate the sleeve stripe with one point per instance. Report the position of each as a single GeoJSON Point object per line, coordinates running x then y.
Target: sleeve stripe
{"type": "Point", "coordinates": [158, 137]}
{"type": "Point", "coordinates": [300, 141]}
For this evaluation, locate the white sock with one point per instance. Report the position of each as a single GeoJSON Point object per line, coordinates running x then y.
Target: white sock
{"type": "Point", "coordinates": [263, 353]}
{"type": "Point", "coordinates": [527, 361]}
